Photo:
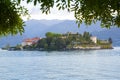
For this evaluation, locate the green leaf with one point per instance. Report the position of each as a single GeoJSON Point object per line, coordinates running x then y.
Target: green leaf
{"type": "Point", "coordinates": [19, 1]}
{"type": "Point", "coordinates": [58, 5]}
{"type": "Point", "coordinates": [28, 1]}
{"type": "Point", "coordinates": [35, 2]}
{"type": "Point", "coordinates": [59, 8]}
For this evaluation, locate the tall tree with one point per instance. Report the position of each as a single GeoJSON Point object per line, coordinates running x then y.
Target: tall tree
{"type": "Point", "coordinates": [110, 40]}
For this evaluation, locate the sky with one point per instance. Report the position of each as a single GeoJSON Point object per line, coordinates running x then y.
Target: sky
{"type": "Point", "coordinates": [35, 13]}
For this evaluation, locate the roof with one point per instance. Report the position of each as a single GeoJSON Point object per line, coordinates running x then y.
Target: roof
{"type": "Point", "coordinates": [31, 39]}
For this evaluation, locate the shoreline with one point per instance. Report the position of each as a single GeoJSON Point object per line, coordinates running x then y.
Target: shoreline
{"type": "Point", "coordinates": [72, 49]}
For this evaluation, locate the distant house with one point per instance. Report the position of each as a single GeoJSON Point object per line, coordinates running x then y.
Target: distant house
{"type": "Point", "coordinates": [94, 39]}
{"type": "Point", "coordinates": [71, 33]}
{"type": "Point", "coordinates": [104, 41]}
{"type": "Point", "coordinates": [30, 41]}
{"type": "Point", "coordinates": [63, 37]}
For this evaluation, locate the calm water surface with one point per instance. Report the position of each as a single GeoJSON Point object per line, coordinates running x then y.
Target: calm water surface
{"type": "Point", "coordinates": [64, 65]}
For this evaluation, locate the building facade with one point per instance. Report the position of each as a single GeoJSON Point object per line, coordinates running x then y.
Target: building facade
{"type": "Point", "coordinates": [94, 39]}
{"type": "Point", "coordinates": [30, 41]}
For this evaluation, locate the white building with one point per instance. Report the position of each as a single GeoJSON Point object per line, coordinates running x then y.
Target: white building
{"type": "Point", "coordinates": [94, 39]}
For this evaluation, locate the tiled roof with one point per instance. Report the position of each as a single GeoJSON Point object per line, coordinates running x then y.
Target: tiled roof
{"type": "Point", "coordinates": [31, 40]}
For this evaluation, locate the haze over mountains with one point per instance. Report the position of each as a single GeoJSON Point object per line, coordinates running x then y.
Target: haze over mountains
{"type": "Point", "coordinates": [38, 28]}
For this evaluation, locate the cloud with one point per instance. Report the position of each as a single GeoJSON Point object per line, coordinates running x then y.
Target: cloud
{"type": "Point", "coordinates": [35, 13]}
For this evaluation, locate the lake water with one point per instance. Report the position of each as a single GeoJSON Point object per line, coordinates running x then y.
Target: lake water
{"type": "Point", "coordinates": [64, 65]}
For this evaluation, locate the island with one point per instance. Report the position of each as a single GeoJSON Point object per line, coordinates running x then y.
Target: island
{"type": "Point", "coordinates": [63, 42]}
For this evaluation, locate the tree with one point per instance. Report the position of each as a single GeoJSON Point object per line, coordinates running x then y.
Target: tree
{"type": "Point", "coordinates": [10, 17]}
{"type": "Point", "coordinates": [51, 35]}
{"type": "Point", "coordinates": [110, 40]}
{"type": "Point", "coordinates": [60, 43]}
{"type": "Point", "coordinates": [49, 38]}
{"type": "Point", "coordinates": [85, 11]}
{"type": "Point", "coordinates": [86, 35]}
{"type": "Point", "coordinates": [41, 43]}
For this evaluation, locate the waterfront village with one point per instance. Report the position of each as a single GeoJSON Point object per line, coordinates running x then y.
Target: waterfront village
{"type": "Point", "coordinates": [60, 42]}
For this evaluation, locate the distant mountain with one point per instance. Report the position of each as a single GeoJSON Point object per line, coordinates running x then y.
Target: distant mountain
{"type": "Point", "coordinates": [38, 28]}
{"type": "Point", "coordinates": [34, 28]}
{"type": "Point", "coordinates": [50, 22]}
{"type": "Point", "coordinates": [71, 26]}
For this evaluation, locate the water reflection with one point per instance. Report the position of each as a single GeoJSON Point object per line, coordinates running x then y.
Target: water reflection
{"type": "Point", "coordinates": [110, 52]}
{"type": "Point", "coordinates": [55, 53]}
